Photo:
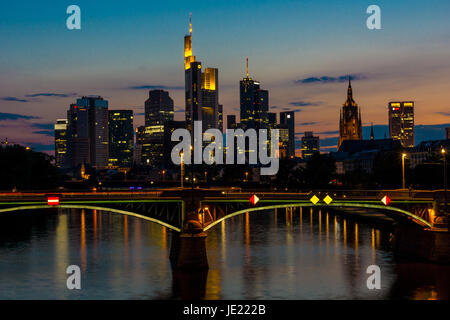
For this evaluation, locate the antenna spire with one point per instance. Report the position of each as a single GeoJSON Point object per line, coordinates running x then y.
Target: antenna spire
{"type": "Point", "coordinates": [190, 24]}
{"type": "Point", "coordinates": [247, 66]}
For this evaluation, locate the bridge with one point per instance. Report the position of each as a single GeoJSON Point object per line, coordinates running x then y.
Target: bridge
{"type": "Point", "coordinates": [190, 214]}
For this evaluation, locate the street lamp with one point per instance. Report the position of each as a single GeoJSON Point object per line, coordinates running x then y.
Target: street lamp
{"type": "Point", "coordinates": [182, 169]}
{"type": "Point", "coordinates": [246, 176]}
{"type": "Point", "coordinates": [444, 153]}
{"type": "Point", "coordinates": [403, 170]}
{"type": "Point", "coordinates": [163, 175]}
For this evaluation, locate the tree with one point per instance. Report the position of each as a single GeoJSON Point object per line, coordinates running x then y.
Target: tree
{"type": "Point", "coordinates": [25, 169]}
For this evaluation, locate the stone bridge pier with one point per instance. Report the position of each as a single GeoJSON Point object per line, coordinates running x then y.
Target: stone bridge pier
{"type": "Point", "coordinates": [188, 248]}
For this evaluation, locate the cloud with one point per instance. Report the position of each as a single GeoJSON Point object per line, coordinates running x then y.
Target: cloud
{"type": "Point", "coordinates": [307, 123]}
{"type": "Point", "coordinates": [13, 99]}
{"type": "Point", "coordinates": [15, 116]}
{"type": "Point", "coordinates": [304, 104]}
{"type": "Point", "coordinates": [43, 126]}
{"type": "Point", "coordinates": [152, 87]}
{"type": "Point", "coordinates": [290, 109]}
{"type": "Point", "coordinates": [57, 95]}
{"type": "Point", "coordinates": [41, 147]}
{"type": "Point", "coordinates": [328, 79]}
{"type": "Point", "coordinates": [443, 113]}
{"type": "Point", "coordinates": [49, 133]}
{"type": "Point", "coordinates": [329, 132]}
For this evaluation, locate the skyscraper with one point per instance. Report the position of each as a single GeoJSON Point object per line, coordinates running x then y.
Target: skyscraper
{"type": "Point", "coordinates": [61, 143]}
{"type": "Point", "coordinates": [121, 138]}
{"type": "Point", "coordinates": [310, 145]}
{"type": "Point", "coordinates": [401, 122]}
{"type": "Point", "coordinates": [288, 119]}
{"type": "Point", "coordinates": [201, 89]}
{"type": "Point", "coordinates": [88, 132]}
{"type": "Point", "coordinates": [78, 141]}
{"type": "Point", "coordinates": [350, 127]}
{"type": "Point", "coordinates": [98, 129]}
{"type": "Point", "coordinates": [158, 108]}
{"type": "Point", "coordinates": [254, 103]}
{"type": "Point", "coordinates": [158, 112]}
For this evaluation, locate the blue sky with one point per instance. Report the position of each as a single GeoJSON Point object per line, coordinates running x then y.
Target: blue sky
{"type": "Point", "coordinates": [126, 44]}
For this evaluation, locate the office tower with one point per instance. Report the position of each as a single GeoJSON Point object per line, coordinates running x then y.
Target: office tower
{"type": "Point", "coordinates": [272, 120]}
{"type": "Point", "coordinates": [310, 145]}
{"type": "Point", "coordinates": [231, 121]}
{"type": "Point", "coordinates": [284, 141]}
{"type": "Point", "coordinates": [88, 132]}
{"type": "Point", "coordinates": [78, 136]}
{"type": "Point", "coordinates": [401, 122]}
{"type": "Point", "coordinates": [210, 99]}
{"type": "Point", "coordinates": [158, 108]}
{"type": "Point", "coordinates": [447, 133]}
{"type": "Point", "coordinates": [121, 138]}
{"type": "Point", "coordinates": [61, 143]}
{"type": "Point", "coordinates": [288, 119]}
{"type": "Point", "coordinates": [201, 89]}
{"type": "Point", "coordinates": [350, 118]}
{"type": "Point", "coordinates": [254, 103]}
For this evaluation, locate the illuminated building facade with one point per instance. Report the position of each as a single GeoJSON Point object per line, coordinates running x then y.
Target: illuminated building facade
{"type": "Point", "coordinates": [88, 132]}
{"type": "Point", "coordinates": [61, 143]}
{"type": "Point", "coordinates": [288, 119]}
{"type": "Point", "coordinates": [310, 145]}
{"type": "Point", "coordinates": [121, 138]}
{"type": "Point", "coordinates": [350, 127]}
{"type": "Point", "coordinates": [401, 122]}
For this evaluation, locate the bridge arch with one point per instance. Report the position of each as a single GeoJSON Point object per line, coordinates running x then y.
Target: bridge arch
{"type": "Point", "coordinates": [393, 210]}
{"type": "Point", "coordinates": [72, 206]}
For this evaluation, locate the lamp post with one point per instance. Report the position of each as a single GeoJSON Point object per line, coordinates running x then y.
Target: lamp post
{"type": "Point", "coordinates": [246, 176]}
{"type": "Point", "coordinates": [163, 175]}
{"type": "Point", "coordinates": [444, 153]}
{"type": "Point", "coordinates": [182, 169]}
{"type": "Point", "coordinates": [403, 171]}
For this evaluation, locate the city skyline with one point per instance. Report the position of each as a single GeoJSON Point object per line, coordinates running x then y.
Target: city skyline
{"type": "Point", "coordinates": [303, 73]}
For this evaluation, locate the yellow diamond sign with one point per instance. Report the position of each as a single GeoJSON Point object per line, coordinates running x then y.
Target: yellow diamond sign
{"type": "Point", "coordinates": [328, 200]}
{"type": "Point", "coordinates": [314, 200]}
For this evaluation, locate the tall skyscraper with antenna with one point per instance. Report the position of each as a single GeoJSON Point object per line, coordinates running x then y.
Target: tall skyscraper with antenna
{"type": "Point", "coordinates": [350, 127]}
{"type": "Point", "coordinates": [254, 103]}
{"type": "Point", "coordinates": [202, 89]}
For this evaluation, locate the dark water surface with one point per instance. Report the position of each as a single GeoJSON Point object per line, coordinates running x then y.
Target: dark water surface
{"type": "Point", "coordinates": [283, 254]}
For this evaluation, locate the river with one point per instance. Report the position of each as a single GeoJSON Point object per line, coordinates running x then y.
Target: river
{"type": "Point", "coordinates": [282, 254]}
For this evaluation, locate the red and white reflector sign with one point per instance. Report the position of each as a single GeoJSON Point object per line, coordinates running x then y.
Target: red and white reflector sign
{"type": "Point", "coordinates": [254, 199]}
{"type": "Point", "coordinates": [386, 200]}
{"type": "Point", "coordinates": [53, 201]}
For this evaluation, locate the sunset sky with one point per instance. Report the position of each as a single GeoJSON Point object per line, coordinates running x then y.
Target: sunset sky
{"type": "Point", "coordinates": [301, 51]}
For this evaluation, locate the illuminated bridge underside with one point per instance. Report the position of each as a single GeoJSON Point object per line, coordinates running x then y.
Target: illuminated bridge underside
{"type": "Point", "coordinates": [165, 213]}
{"type": "Point", "coordinates": [391, 211]}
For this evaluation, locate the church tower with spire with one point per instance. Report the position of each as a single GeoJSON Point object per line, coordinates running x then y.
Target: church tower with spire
{"type": "Point", "coordinates": [350, 127]}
